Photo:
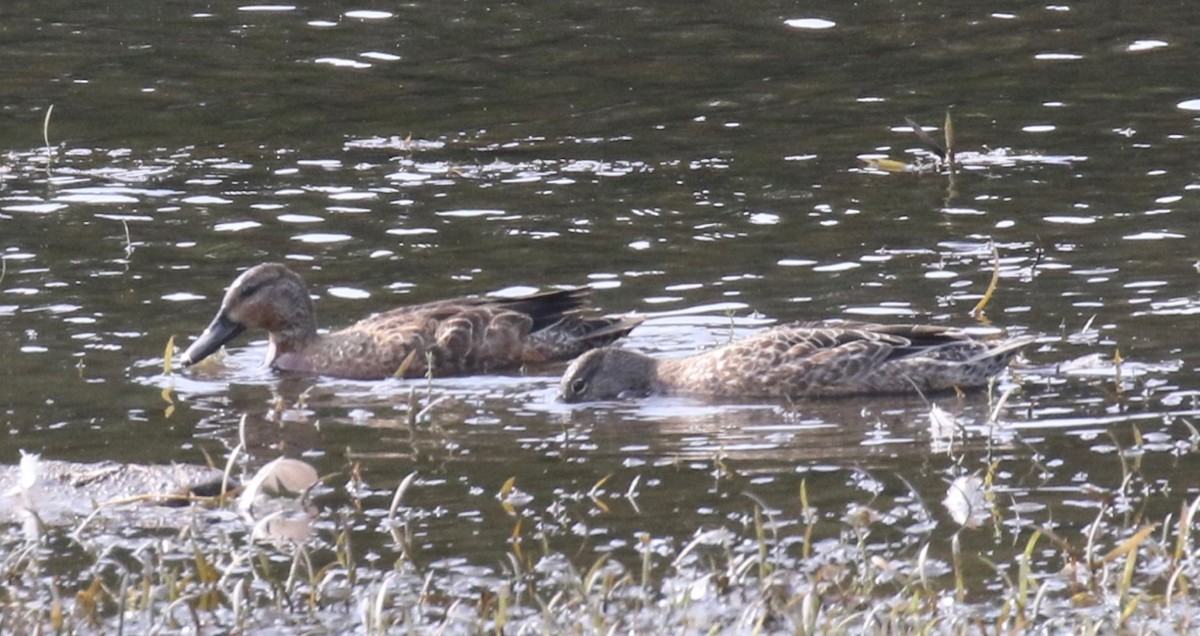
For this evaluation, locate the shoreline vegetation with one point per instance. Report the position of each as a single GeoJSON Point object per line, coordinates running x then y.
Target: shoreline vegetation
{"type": "Point", "coordinates": [988, 558]}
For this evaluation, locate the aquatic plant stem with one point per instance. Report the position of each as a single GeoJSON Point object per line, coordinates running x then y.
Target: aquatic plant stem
{"type": "Point", "coordinates": [46, 134]}
{"type": "Point", "coordinates": [977, 312]}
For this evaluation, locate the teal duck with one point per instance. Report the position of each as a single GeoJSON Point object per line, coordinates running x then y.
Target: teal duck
{"type": "Point", "coordinates": [807, 359]}
{"type": "Point", "coordinates": [461, 336]}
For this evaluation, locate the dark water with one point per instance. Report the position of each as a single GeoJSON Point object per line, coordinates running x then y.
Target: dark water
{"type": "Point", "coordinates": [697, 163]}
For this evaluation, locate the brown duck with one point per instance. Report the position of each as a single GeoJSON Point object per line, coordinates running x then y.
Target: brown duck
{"type": "Point", "coordinates": [461, 336]}
{"type": "Point", "coordinates": [807, 359]}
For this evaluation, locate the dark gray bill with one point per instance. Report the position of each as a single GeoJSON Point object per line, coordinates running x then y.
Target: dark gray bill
{"type": "Point", "coordinates": [221, 330]}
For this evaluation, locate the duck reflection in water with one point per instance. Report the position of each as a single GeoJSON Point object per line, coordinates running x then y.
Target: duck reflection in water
{"type": "Point", "coordinates": [460, 336]}
{"type": "Point", "coordinates": [807, 359]}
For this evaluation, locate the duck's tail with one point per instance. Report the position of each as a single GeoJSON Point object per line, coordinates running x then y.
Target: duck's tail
{"type": "Point", "coordinates": [547, 308]}
{"type": "Point", "coordinates": [1002, 352]}
{"type": "Point", "coordinates": [573, 335]}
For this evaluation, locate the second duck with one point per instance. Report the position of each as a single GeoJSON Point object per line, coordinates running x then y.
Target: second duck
{"type": "Point", "coordinates": [806, 359]}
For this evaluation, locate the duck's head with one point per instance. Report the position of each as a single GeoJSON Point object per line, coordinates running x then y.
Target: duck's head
{"type": "Point", "coordinates": [607, 373]}
{"type": "Point", "coordinates": [268, 296]}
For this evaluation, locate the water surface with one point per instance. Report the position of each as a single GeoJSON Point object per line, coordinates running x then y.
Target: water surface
{"type": "Point", "coordinates": [699, 165]}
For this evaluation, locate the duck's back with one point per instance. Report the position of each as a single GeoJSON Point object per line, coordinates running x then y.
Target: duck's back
{"type": "Point", "coordinates": [841, 358]}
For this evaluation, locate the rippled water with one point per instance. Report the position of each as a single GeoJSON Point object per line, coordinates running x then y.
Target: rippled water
{"type": "Point", "coordinates": [698, 164]}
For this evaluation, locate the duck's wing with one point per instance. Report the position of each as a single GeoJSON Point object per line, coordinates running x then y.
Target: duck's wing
{"type": "Point", "coordinates": [846, 330]}
{"type": "Point", "coordinates": [480, 335]}
{"type": "Point", "coordinates": [543, 309]}
{"type": "Point", "coordinates": [814, 359]}
{"type": "Point", "coordinates": [789, 360]}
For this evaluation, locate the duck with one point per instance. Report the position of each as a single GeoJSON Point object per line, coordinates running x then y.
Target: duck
{"type": "Point", "coordinates": [800, 360]}
{"type": "Point", "coordinates": [454, 337]}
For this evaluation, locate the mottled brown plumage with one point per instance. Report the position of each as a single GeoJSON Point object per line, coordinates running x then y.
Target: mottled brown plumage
{"type": "Point", "coordinates": [800, 360]}
{"type": "Point", "coordinates": [461, 336]}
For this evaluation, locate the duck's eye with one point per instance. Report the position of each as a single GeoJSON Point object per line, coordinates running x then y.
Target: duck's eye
{"type": "Point", "coordinates": [578, 386]}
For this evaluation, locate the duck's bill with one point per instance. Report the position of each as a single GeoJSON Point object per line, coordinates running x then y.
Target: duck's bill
{"type": "Point", "coordinates": [221, 330]}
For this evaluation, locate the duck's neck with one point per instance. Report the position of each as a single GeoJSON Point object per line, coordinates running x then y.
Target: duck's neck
{"type": "Point", "coordinates": [297, 331]}
{"type": "Point", "coordinates": [641, 371]}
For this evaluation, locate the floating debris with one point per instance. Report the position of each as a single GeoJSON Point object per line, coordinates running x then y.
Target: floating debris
{"type": "Point", "coordinates": [965, 501]}
{"type": "Point", "coordinates": [945, 157]}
